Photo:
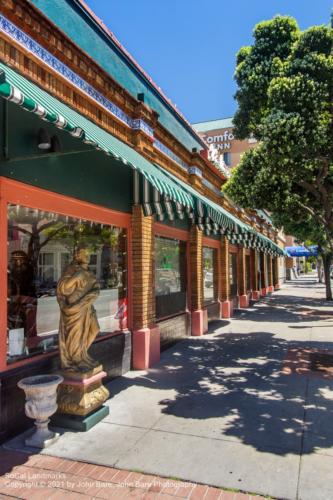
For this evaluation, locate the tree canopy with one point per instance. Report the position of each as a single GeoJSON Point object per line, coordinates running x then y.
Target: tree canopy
{"type": "Point", "coordinates": [285, 100]}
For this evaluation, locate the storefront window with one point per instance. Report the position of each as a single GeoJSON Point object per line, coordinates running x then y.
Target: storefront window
{"type": "Point", "coordinates": [209, 274]}
{"type": "Point", "coordinates": [248, 272]}
{"type": "Point", "coordinates": [268, 262]}
{"type": "Point", "coordinates": [41, 245]}
{"type": "Point", "coordinates": [170, 276]}
{"type": "Point", "coordinates": [262, 270]}
{"type": "Point", "coordinates": [257, 256]}
{"type": "Point", "coordinates": [275, 270]}
{"type": "Point", "coordinates": [227, 159]}
{"type": "Point", "coordinates": [233, 274]}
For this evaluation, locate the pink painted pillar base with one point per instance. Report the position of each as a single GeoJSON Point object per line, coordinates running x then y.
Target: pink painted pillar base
{"type": "Point", "coordinates": [243, 301]}
{"type": "Point", "coordinates": [199, 322]}
{"type": "Point", "coordinates": [255, 295]}
{"type": "Point", "coordinates": [270, 289]}
{"type": "Point", "coordinates": [146, 347]}
{"type": "Point", "coordinates": [277, 287]}
{"type": "Point", "coordinates": [226, 309]}
{"type": "Point", "coordinates": [263, 292]}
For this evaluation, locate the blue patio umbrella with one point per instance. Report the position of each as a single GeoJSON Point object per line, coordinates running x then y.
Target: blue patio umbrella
{"type": "Point", "coordinates": [301, 251]}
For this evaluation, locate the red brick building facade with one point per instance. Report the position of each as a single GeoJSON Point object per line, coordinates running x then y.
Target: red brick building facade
{"type": "Point", "coordinates": [93, 153]}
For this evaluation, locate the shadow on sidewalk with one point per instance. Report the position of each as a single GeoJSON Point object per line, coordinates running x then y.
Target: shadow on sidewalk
{"type": "Point", "coordinates": [288, 309]}
{"type": "Point", "coordinates": [231, 386]}
{"type": "Point", "coordinates": [233, 383]}
{"type": "Point", "coordinates": [9, 459]}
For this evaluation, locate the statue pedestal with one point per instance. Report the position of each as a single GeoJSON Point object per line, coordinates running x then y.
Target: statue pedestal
{"type": "Point", "coordinates": [80, 400]}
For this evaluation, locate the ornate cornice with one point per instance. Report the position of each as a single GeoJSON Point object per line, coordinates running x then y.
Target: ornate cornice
{"type": "Point", "coordinates": [30, 45]}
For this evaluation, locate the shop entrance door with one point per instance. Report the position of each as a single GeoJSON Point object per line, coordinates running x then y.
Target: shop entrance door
{"type": "Point", "coordinates": [275, 276]}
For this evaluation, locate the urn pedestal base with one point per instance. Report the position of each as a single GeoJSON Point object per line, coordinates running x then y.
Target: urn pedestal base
{"type": "Point", "coordinates": [77, 423]}
{"type": "Point", "coordinates": [43, 437]}
{"type": "Point", "coordinates": [80, 399]}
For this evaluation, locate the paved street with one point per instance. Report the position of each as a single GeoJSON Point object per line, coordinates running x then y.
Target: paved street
{"type": "Point", "coordinates": [247, 407]}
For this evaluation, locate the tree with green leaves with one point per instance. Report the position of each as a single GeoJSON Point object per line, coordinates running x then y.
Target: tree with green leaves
{"type": "Point", "coordinates": [285, 100]}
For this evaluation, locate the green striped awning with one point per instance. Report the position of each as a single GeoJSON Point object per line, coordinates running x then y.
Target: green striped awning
{"type": "Point", "coordinates": [15, 88]}
{"type": "Point", "coordinates": [207, 209]}
{"type": "Point", "coordinates": [214, 218]}
{"type": "Point", "coordinates": [170, 195]}
{"type": "Point", "coordinates": [259, 242]}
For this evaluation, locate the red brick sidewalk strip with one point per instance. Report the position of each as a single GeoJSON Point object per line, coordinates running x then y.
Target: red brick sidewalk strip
{"type": "Point", "coordinates": [40, 477]}
{"type": "Point", "coordinates": [298, 361]}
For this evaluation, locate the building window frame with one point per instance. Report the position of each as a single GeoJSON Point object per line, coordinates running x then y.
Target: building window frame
{"type": "Point", "coordinates": [16, 192]}
{"type": "Point", "coordinates": [233, 254]}
{"type": "Point", "coordinates": [169, 232]}
{"type": "Point", "coordinates": [248, 271]}
{"type": "Point", "coordinates": [227, 158]}
{"type": "Point", "coordinates": [216, 246]}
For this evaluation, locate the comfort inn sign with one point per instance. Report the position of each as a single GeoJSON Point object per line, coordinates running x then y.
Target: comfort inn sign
{"type": "Point", "coordinates": [222, 141]}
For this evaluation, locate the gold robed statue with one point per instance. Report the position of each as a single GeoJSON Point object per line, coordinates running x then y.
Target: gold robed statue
{"type": "Point", "coordinates": [77, 290]}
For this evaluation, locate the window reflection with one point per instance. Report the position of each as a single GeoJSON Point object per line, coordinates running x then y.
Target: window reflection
{"type": "Point", "coordinates": [233, 278]}
{"type": "Point", "coordinates": [209, 270]}
{"type": "Point", "coordinates": [248, 272]}
{"type": "Point", "coordinates": [170, 276]}
{"type": "Point", "coordinates": [40, 246]}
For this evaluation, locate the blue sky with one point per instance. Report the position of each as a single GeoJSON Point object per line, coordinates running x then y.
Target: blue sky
{"type": "Point", "coordinates": [188, 46]}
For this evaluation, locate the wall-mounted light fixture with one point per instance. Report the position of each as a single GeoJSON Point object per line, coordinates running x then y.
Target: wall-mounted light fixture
{"type": "Point", "coordinates": [44, 141]}
{"type": "Point", "coordinates": [55, 144]}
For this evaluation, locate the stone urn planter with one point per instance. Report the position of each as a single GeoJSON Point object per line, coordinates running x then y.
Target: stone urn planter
{"type": "Point", "coordinates": [41, 403]}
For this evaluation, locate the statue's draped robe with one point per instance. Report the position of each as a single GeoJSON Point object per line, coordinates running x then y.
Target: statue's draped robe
{"type": "Point", "coordinates": [77, 290]}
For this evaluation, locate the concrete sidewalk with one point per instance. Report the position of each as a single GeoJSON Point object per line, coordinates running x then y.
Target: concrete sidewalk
{"type": "Point", "coordinates": [239, 408]}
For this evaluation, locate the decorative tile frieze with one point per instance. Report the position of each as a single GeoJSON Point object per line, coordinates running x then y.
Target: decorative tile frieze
{"type": "Point", "coordinates": [164, 149]}
{"type": "Point", "coordinates": [59, 67]}
{"type": "Point", "coordinates": [195, 171]}
{"type": "Point", "coordinates": [139, 124]}
{"type": "Point", "coordinates": [211, 186]}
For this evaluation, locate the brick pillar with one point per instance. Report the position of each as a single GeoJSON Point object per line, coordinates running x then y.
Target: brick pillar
{"type": "Point", "coordinates": [226, 307]}
{"type": "Point", "coordinates": [264, 272]}
{"type": "Point", "coordinates": [255, 294]}
{"type": "Point", "coordinates": [146, 335]}
{"type": "Point", "coordinates": [276, 281]}
{"type": "Point", "coordinates": [199, 314]}
{"type": "Point", "coordinates": [243, 298]}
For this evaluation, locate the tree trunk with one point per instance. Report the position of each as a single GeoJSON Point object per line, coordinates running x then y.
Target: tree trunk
{"type": "Point", "coordinates": [327, 260]}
